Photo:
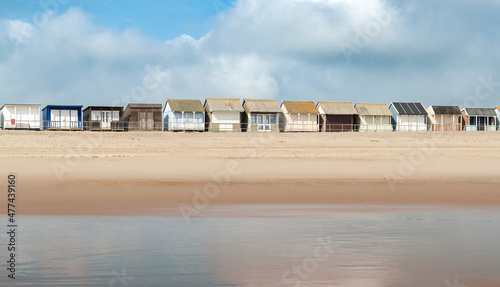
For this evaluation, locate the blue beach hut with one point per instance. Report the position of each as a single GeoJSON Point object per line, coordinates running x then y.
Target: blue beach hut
{"type": "Point", "coordinates": [57, 117]}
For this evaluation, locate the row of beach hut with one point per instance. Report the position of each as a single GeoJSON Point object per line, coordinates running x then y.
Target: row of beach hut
{"type": "Point", "coordinates": [253, 115]}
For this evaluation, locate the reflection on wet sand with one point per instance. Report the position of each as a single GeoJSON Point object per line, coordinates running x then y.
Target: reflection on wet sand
{"type": "Point", "coordinates": [277, 246]}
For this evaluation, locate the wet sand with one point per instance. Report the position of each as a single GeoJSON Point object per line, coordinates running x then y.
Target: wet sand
{"type": "Point", "coordinates": [83, 173]}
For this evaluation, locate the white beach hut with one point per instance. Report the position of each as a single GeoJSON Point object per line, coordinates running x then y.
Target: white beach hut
{"type": "Point", "coordinates": [408, 116]}
{"type": "Point", "coordinates": [20, 116]}
{"type": "Point", "coordinates": [184, 115]}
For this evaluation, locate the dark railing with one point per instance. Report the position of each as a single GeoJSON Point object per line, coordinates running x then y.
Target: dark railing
{"type": "Point", "coordinates": [236, 127]}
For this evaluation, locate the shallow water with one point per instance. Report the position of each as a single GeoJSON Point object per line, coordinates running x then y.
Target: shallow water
{"type": "Point", "coordinates": [275, 246]}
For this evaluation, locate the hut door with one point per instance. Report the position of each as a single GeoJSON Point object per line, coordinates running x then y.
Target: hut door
{"type": "Point", "coordinates": [65, 119]}
{"type": "Point", "coordinates": [263, 123]}
{"type": "Point", "coordinates": [141, 118]}
{"type": "Point", "coordinates": [481, 123]}
{"type": "Point", "coordinates": [106, 120]}
{"type": "Point", "coordinates": [150, 122]}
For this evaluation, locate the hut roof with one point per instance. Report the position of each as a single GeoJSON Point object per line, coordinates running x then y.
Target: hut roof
{"type": "Point", "coordinates": [337, 108]}
{"type": "Point", "coordinates": [410, 109]}
{"type": "Point", "coordinates": [62, 106]}
{"type": "Point", "coordinates": [111, 107]}
{"type": "Point", "coordinates": [261, 106]}
{"type": "Point", "coordinates": [144, 106]}
{"type": "Point", "coordinates": [373, 110]}
{"type": "Point", "coordinates": [498, 108]}
{"type": "Point", "coordinates": [489, 112]}
{"type": "Point", "coordinates": [223, 105]}
{"type": "Point", "coordinates": [35, 105]}
{"type": "Point", "coordinates": [186, 105]}
{"type": "Point", "coordinates": [446, 110]}
{"type": "Point", "coordinates": [300, 107]}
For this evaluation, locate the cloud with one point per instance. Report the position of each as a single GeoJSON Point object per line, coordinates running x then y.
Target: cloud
{"type": "Point", "coordinates": [338, 50]}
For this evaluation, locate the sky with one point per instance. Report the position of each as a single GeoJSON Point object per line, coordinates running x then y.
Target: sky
{"type": "Point", "coordinates": [109, 52]}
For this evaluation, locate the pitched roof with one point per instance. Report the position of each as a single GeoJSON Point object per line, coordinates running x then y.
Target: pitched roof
{"type": "Point", "coordinates": [337, 108]}
{"type": "Point", "coordinates": [446, 110]}
{"type": "Point", "coordinates": [300, 107]}
{"type": "Point", "coordinates": [186, 105]}
{"type": "Point", "coordinates": [261, 106]}
{"type": "Point", "coordinates": [489, 112]}
{"type": "Point", "coordinates": [372, 110]}
{"type": "Point", "coordinates": [144, 106]}
{"type": "Point", "coordinates": [223, 105]}
{"type": "Point", "coordinates": [410, 109]}
{"type": "Point", "coordinates": [498, 108]}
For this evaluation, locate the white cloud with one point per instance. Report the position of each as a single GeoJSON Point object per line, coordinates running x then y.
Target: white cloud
{"type": "Point", "coordinates": [284, 49]}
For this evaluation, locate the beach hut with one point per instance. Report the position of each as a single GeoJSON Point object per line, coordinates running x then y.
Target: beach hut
{"type": "Point", "coordinates": [299, 117]}
{"type": "Point", "coordinates": [444, 118]}
{"type": "Point", "coordinates": [103, 118]}
{"type": "Point", "coordinates": [184, 115]}
{"type": "Point", "coordinates": [408, 116]}
{"type": "Point", "coordinates": [223, 114]}
{"type": "Point", "coordinates": [143, 117]}
{"type": "Point", "coordinates": [498, 117]}
{"type": "Point", "coordinates": [261, 115]}
{"type": "Point", "coordinates": [61, 117]}
{"type": "Point", "coordinates": [20, 116]}
{"type": "Point", "coordinates": [336, 116]}
{"type": "Point", "coordinates": [373, 117]}
{"type": "Point", "coordinates": [479, 119]}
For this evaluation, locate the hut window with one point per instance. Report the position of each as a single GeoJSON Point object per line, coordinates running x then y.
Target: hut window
{"type": "Point", "coordinates": [273, 119]}
{"type": "Point", "coordinates": [254, 119]}
{"type": "Point", "coordinates": [178, 116]}
{"type": "Point", "coordinates": [472, 121]}
{"type": "Point", "coordinates": [116, 116]}
{"type": "Point", "coordinates": [371, 120]}
{"type": "Point", "coordinates": [96, 115]}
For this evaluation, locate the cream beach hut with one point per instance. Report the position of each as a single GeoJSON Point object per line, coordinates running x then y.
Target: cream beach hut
{"type": "Point", "coordinates": [223, 114]}
{"type": "Point", "coordinates": [261, 115]}
{"type": "Point", "coordinates": [444, 118]}
{"type": "Point", "coordinates": [299, 117]}
{"type": "Point", "coordinates": [373, 118]}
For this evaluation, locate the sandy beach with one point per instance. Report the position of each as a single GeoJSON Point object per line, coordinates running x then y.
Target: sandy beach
{"type": "Point", "coordinates": [142, 173]}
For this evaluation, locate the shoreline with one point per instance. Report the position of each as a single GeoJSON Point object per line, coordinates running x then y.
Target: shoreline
{"type": "Point", "coordinates": [129, 199]}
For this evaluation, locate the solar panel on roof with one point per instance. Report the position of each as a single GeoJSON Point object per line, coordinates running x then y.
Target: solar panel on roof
{"type": "Point", "coordinates": [410, 108]}
{"type": "Point", "coordinates": [420, 109]}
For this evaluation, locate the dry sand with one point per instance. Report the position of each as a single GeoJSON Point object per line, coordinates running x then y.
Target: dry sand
{"type": "Point", "coordinates": [143, 173]}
